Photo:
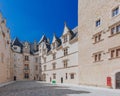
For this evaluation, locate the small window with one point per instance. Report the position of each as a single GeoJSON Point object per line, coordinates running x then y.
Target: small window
{"type": "Point", "coordinates": [65, 51]}
{"type": "Point", "coordinates": [112, 53]}
{"type": "Point", "coordinates": [117, 28]}
{"type": "Point", "coordinates": [54, 76]}
{"type": "Point", "coordinates": [53, 45]}
{"type": "Point", "coordinates": [115, 11]}
{"type": "Point", "coordinates": [98, 22]}
{"type": "Point", "coordinates": [26, 66]}
{"type": "Point", "coordinates": [65, 63]}
{"type": "Point", "coordinates": [97, 57]}
{"type": "Point", "coordinates": [26, 75]}
{"type": "Point", "coordinates": [54, 66]}
{"type": "Point", "coordinates": [113, 31]}
{"type": "Point", "coordinates": [72, 76]}
{"type": "Point", "coordinates": [117, 52]}
{"type": "Point", "coordinates": [65, 39]}
{"type": "Point", "coordinates": [97, 37]}
{"type": "Point", "coordinates": [54, 56]}
{"type": "Point", "coordinates": [66, 76]}
{"type": "Point", "coordinates": [15, 48]}
{"type": "Point", "coordinates": [26, 58]}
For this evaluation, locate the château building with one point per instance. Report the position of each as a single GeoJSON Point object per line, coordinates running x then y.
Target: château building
{"type": "Point", "coordinates": [6, 68]}
{"type": "Point", "coordinates": [47, 61]}
{"type": "Point", "coordinates": [59, 59]}
{"type": "Point", "coordinates": [25, 60]}
{"type": "Point", "coordinates": [88, 55]}
{"type": "Point", "coordinates": [99, 46]}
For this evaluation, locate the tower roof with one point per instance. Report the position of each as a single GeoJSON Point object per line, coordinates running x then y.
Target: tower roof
{"type": "Point", "coordinates": [54, 38]}
{"type": "Point", "coordinates": [44, 38]}
{"type": "Point", "coordinates": [17, 42]}
{"type": "Point", "coordinates": [67, 29]}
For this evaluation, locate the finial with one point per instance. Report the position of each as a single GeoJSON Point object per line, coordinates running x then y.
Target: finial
{"type": "Point", "coordinates": [65, 23]}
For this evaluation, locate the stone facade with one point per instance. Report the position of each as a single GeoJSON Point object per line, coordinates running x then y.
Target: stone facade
{"type": "Point", "coordinates": [47, 61]}
{"type": "Point", "coordinates": [6, 69]}
{"type": "Point", "coordinates": [99, 46]}
{"type": "Point", "coordinates": [86, 55]}
{"type": "Point", "coordinates": [25, 60]}
{"type": "Point", "coordinates": [59, 59]}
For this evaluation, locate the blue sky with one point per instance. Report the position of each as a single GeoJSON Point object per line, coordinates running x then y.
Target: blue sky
{"type": "Point", "coordinates": [30, 19]}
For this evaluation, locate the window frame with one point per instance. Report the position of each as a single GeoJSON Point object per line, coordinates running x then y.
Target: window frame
{"type": "Point", "coordinates": [115, 11]}
{"type": "Point", "coordinates": [98, 23]}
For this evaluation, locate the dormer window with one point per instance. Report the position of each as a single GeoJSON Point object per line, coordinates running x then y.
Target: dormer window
{"type": "Point", "coordinates": [65, 39]}
{"type": "Point", "coordinates": [53, 45]}
{"type": "Point", "coordinates": [15, 48]}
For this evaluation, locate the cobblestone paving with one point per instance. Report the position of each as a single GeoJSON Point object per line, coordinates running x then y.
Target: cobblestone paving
{"type": "Point", "coordinates": [32, 88]}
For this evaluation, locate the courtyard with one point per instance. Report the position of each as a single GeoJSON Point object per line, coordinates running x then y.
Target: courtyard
{"type": "Point", "coordinates": [37, 88]}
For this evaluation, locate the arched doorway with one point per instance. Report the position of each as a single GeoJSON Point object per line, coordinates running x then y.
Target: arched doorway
{"type": "Point", "coordinates": [118, 80]}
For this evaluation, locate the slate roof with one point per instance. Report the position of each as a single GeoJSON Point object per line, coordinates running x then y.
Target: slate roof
{"type": "Point", "coordinates": [67, 29]}
{"type": "Point", "coordinates": [17, 42]}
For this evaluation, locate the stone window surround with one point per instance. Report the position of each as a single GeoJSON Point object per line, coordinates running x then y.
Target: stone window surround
{"type": "Point", "coordinates": [65, 51]}
{"type": "Point", "coordinates": [98, 22]}
{"type": "Point", "coordinates": [97, 56]}
{"type": "Point", "coordinates": [54, 65]}
{"type": "Point", "coordinates": [65, 38]}
{"type": "Point", "coordinates": [111, 26]}
{"type": "Point", "coordinates": [114, 10]}
{"type": "Point", "coordinates": [65, 63]}
{"type": "Point", "coordinates": [72, 75]}
{"type": "Point", "coordinates": [54, 55]}
{"type": "Point", "coordinates": [54, 75]}
{"type": "Point", "coordinates": [26, 58]}
{"type": "Point", "coordinates": [53, 45]}
{"type": "Point", "coordinates": [115, 30]}
{"type": "Point", "coordinates": [99, 39]}
{"type": "Point", "coordinates": [115, 52]}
